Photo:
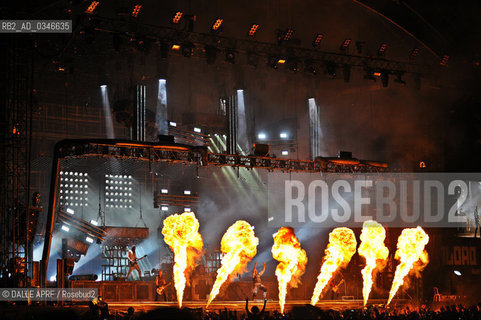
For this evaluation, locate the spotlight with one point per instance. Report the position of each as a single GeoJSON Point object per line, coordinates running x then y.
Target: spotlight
{"type": "Point", "coordinates": [165, 208]}
{"type": "Point", "coordinates": [53, 278]}
{"type": "Point", "coordinates": [330, 69]}
{"type": "Point", "coordinates": [65, 228]}
{"type": "Point", "coordinates": [317, 40]}
{"type": "Point", "coordinates": [187, 192]}
{"type": "Point", "coordinates": [187, 209]}
{"type": "Point", "coordinates": [253, 30]}
{"type": "Point", "coordinates": [345, 44]}
{"type": "Point", "coordinates": [457, 272]}
{"type": "Point", "coordinates": [164, 191]}
{"type": "Point", "coordinates": [89, 240]}
{"type": "Point", "coordinates": [261, 136]}
{"type": "Point", "coordinates": [230, 56]}
{"type": "Point", "coordinates": [444, 60]}
{"type": "Point", "coordinates": [288, 35]}
{"type": "Point", "coordinates": [281, 61]}
{"type": "Point", "coordinates": [217, 25]}
{"type": "Point", "coordinates": [283, 135]}
{"type": "Point", "coordinates": [178, 15]}
{"type": "Point", "coordinates": [198, 130]}
{"type": "Point", "coordinates": [381, 51]}
{"type": "Point", "coordinates": [103, 87]}
{"type": "Point", "coordinates": [136, 10]}
{"type": "Point", "coordinates": [210, 54]}
{"type": "Point", "coordinates": [70, 211]}
{"type": "Point", "coordinates": [91, 7]}
{"type": "Point", "coordinates": [172, 124]}
{"type": "Point", "coordinates": [176, 47]}
{"type": "Point", "coordinates": [285, 152]}
{"type": "Point", "coordinates": [94, 222]}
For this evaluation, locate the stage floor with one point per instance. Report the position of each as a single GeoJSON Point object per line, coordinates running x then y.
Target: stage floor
{"type": "Point", "coordinates": [239, 306]}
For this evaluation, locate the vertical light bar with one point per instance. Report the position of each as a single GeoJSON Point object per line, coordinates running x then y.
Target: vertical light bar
{"type": "Point", "coordinates": [109, 125]}
{"type": "Point", "coordinates": [242, 129]}
{"type": "Point", "coordinates": [315, 132]}
{"type": "Point", "coordinates": [161, 109]}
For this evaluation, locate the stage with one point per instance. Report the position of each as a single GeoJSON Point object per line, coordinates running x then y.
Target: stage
{"type": "Point", "coordinates": [239, 306]}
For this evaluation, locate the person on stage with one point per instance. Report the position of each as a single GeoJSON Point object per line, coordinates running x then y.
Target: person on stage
{"type": "Point", "coordinates": [256, 278]}
{"type": "Point", "coordinates": [133, 265]}
{"type": "Point", "coordinates": [161, 285]}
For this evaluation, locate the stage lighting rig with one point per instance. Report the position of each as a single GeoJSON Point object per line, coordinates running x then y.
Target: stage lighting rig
{"type": "Point", "coordinates": [73, 189]}
{"type": "Point", "coordinates": [345, 44]}
{"type": "Point", "coordinates": [136, 10]}
{"type": "Point", "coordinates": [217, 25]}
{"type": "Point", "coordinates": [317, 40]}
{"type": "Point", "coordinates": [253, 30]}
{"type": "Point", "coordinates": [178, 15]}
{"type": "Point", "coordinates": [414, 53]}
{"type": "Point", "coordinates": [381, 51]}
{"type": "Point", "coordinates": [118, 191]}
{"type": "Point", "coordinates": [91, 8]}
{"type": "Point", "coordinates": [444, 60]}
{"type": "Point", "coordinates": [284, 35]}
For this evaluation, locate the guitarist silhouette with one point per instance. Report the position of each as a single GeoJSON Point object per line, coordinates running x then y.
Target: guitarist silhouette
{"type": "Point", "coordinates": [133, 265]}
{"type": "Point", "coordinates": [161, 285]}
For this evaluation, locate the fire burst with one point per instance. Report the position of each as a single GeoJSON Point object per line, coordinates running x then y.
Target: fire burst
{"type": "Point", "coordinates": [292, 261]}
{"type": "Point", "coordinates": [239, 246]}
{"type": "Point", "coordinates": [410, 249]}
{"type": "Point", "coordinates": [181, 234]}
{"type": "Point", "coordinates": [339, 251]}
{"type": "Point", "coordinates": [372, 248]}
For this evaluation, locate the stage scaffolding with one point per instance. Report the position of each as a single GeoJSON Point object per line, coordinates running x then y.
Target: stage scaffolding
{"type": "Point", "coordinates": [18, 217]}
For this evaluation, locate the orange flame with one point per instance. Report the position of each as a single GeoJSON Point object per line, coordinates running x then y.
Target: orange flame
{"type": "Point", "coordinates": [292, 261]}
{"type": "Point", "coordinates": [372, 248]}
{"type": "Point", "coordinates": [410, 249]}
{"type": "Point", "coordinates": [181, 234]}
{"type": "Point", "coordinates": [339, 251]}
{"type": "Point", "coordinates": [239, 246]}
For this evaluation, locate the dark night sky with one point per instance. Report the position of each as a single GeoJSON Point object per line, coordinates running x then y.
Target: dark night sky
{"type": "Point", "coordinates": [438, 122]}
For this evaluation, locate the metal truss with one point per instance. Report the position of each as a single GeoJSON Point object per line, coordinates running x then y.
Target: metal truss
{"type": "Point", "coordinates": [168, 36]}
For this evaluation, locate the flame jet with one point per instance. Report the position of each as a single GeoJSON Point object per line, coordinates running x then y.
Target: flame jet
{"type": "Point", "coordinates": [292, 261]}
{"type": "Point", "coordinates": [372, 248]}
{"type": "Point", "coordinates": [239, 246]}
{"type": "Point", "coordinates": [410, 249]}
{"type": "Point", "coordinates": [339, 251]}
{"type": "Point", "coordinates": [181, 234]}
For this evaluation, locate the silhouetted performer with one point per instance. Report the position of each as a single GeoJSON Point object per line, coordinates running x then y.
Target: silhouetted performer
{"type": "Point", "coordinates": [256, 278]}
{"type": "Point", "coordinates": [133, 265]}
{"type": "Point", "coordinates": [476, 221]}
{"type": "Point", "coordinates": [254, 314]}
